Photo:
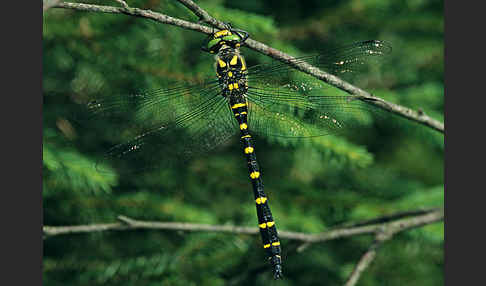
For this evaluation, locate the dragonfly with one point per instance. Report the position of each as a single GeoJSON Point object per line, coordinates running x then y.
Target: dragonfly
{"type": "Point", "coordinates": [264, 99]}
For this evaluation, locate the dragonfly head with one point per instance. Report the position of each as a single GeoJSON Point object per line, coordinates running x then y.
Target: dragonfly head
{"type": "Point", "coordinates": [225, 38]}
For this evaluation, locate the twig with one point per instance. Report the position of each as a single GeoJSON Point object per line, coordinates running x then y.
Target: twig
{"type": "Point", "coordinates": [384, 234]}
{"type": "Point", "coordinates": [202, 14]}
{"type": "Point", "coordinates": [136, 12]}
{"type": "Point", "coordinates": [360, 94]}
{"type": "Point", "coordinates": [383, 231]}
{"type": "Point", "coordinates": [123, 3]}
{"type": "Point", "coordinates": [131, 224]}
{"type": "Point", "coordinates": [390, 217]}
{"type": "Point", "coordinates": [46, 4]}
{"type": "Point", "coordinates": [365, 260]}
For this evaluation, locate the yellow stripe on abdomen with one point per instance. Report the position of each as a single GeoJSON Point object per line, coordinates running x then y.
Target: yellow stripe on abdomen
{"type": "Point", "coordinates": [238, 105]}
{"type": "Point", "coordinates": [261, 200]}
{"type": "Point", "coordinates": [269, 224]}
{"type": "Point", "coordinates": [249, 150]}
{"type": "Point", "coordinates": [254, 175]}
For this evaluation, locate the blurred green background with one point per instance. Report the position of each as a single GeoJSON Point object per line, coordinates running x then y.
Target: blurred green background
{"type": "Point", "coordinates": [385, 168]}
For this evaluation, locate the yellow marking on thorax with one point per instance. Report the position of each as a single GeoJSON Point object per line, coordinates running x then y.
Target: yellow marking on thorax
{"type": "Point", "coordinates": [248, 150]}
{"type": "Point", "coordinates": [230, 74]}
{"type": "Point", "coordinates": [244, 112]}
{"type": "Point", "coordinates": [235, 85]}
{"type": "Point", "coordinates": [261, 200]}
{"type": "Point", "coordinates": [238, 105]}
{"type": "Point", "coordinates": [266, 245]}
{"type": "Point", "coordinates": [221, 63]}
{"type": "Point", "coordinates": [243, 64]}
{"type": "Point", "coordinates": [243, 126]}
{"type": "Point", "coordinates": [263, 225]}
{"type": "Point", "coordinates": [277, 243]}
{"type": "Point", "coordinates": [234, 60]}
{"type": "Point", "coordinates": [254, 175]}
{"type": "Point", "coordinates": [230, 86]}
{"type": "Point", "coordinates": [222, 33]}
{"type": "Point", "coordinates": [245, 136]}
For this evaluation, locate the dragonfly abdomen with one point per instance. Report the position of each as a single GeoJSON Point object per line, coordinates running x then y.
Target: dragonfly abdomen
{"type": "Point", "coordinates": [266, 224]}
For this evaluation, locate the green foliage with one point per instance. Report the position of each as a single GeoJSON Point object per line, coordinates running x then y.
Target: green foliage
{"type": "Point", "coordinates": [72, 171]}
{"type": "Point", "coordinates": [388, 165]}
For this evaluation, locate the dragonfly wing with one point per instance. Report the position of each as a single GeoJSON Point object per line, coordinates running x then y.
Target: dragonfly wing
{"type": "Point", "coordinates": [288, 103]}
{"type": "Point", "coordinates": [346, 62]}
{"type": "Point", "coordinates": [290, 112]}
{"type": "Point", "coordinates": [164, 127]}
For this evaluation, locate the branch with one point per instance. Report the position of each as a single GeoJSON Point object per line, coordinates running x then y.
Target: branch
{"type": "Point", "coordinates": [202, 14]}
{"type": "Point", "coordinates": [365, 260]}
{"type": "Point", "coordinates": [47, 4]}
{"type": "Point", "coordinates": [394, 216]}
{"type": "Point", "coordinates": [136, 12]}
{"type": "Point", "coordinates": [126, 224]}
{"type": "Point", "coordinates": [387, 233]}
{"type": "Point", "coordinates": [383, 231]}
{"type": "Point", "coordinates": [123, 3]}
{"type": "Point", "coordinates": [416, 116]}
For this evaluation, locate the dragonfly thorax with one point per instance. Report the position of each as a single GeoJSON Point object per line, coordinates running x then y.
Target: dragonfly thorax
{"type": "Point", "coordinates": [232, 73]}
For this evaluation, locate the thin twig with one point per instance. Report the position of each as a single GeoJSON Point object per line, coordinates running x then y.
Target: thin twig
{"type": "Point", "coordinates": [387, 218]}
{"type": "Point", "coordinates": [123, 3]}
{"type": "Point", "coordinates": [126, 224]}
{"type": "Point", "coordinates": [365, 260]}
{"type": "Point", "coordinates": [46, 4]}
{"type": "Point", "coordinates": [136, 12]}
{"type": "Point", "coordinates": [202, 14]}
{"type": "Point", "coordinates": [360, 94]}
{"type": "Point", "coordinates": [386, 233]}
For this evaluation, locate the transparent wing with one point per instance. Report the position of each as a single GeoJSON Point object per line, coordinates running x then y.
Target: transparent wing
{"type": "Point", "coordinates": [285, 102]}
{"type": "Point", "coordinates": [164, 127]}
{"type": "Point", "coordinates": [288, 112]}
{"type": "Point", "coordinates": [345, 61]}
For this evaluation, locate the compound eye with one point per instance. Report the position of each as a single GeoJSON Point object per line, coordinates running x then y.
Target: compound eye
{"type": "Point", "coordinates": [232, 38]}
{"type": "Point", "coordinates": [213, 43]}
